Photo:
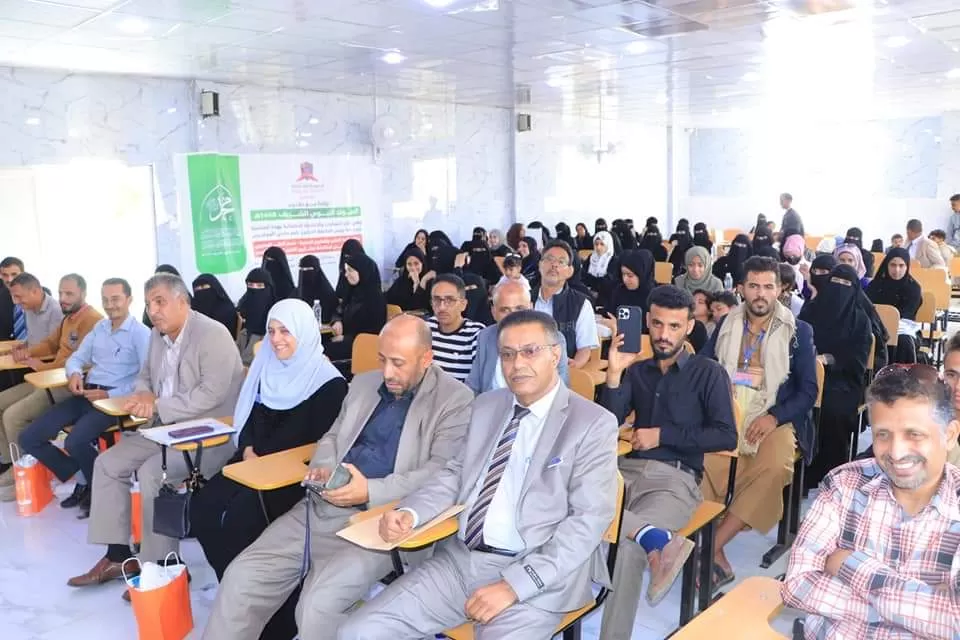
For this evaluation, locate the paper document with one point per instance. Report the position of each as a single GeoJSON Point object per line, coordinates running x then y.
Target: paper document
{"type": "Point", "coordinates": [366, 533]}
{"type": "Point", "coordinates": [161, 435]}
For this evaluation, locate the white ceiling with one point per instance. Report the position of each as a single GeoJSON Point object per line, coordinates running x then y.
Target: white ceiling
{"type": "Point", "coordinates": [628, 58]}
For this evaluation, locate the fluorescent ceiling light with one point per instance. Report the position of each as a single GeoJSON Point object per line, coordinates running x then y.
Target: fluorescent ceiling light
{"type": "Point", "coordinates": [751, 76]}
{"type": "Point", "coordinates": [133, 25]}
{"type": "Point", "coordinates": [439, 4]}
{"type": "Point", "coordinates": [637, 47]}
{"type": "Point", "coordinates": [393, 57]}
{"type": "Point", "coordinates": [954, 73]}
{"type": "Point", "coordinates": [171, 110]}
{"type": "Point", "coordinates": [316, 120]}
{"type": "Point", "coordinates": [32, 121]}
{"type": "Point", "coordinates": [895, 42]}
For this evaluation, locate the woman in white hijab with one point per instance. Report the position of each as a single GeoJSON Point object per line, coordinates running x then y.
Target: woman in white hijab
{"type": "Point", "coordinates": [291, 397]}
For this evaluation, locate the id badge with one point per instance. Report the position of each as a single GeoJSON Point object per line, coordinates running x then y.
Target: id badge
{"type": "Point", "coordinates": [743, 378]}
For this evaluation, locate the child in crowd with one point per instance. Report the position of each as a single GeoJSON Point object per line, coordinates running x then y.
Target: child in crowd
{"type": "Point", "coordinates": [721, 304]}
{"type": "Point", "coordinates": [702, 311]}
{"type": "Point", "coordinates": [939, 237]}
{"type": "Point", "coordinates": [896, 240]}
{"type": "Point", "coordinates": [512, 264]}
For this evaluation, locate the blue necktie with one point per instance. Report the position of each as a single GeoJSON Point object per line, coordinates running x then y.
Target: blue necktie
{"type": "Point", "coordinates": [19, 323]}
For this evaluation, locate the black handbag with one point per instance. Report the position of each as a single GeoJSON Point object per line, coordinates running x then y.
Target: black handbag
{"type": "Point", "coordinates": [171, 507]}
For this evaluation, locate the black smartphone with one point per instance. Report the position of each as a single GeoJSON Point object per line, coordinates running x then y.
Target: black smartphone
{"type": "Point", "coordinates": [630, 325]}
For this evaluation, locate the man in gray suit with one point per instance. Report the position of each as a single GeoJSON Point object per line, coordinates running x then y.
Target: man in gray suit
{"type": "Point", "coordinates": [486, 373]}
{"type": "Point", "coordinates": [538, 476]}
{"type": "Point", "coordinates": [397, 428]}
{"type": "Point", "coordinates": [192, 371]}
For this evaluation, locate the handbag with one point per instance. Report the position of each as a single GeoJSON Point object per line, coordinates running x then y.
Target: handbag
{"type": "Point", "coordinates": [171, 507]}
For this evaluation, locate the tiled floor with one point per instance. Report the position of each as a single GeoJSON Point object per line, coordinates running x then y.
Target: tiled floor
{"type": "Point", "coordinates": [38, 554]}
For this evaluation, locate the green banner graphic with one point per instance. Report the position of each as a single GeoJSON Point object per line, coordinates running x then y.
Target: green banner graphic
{"type": "Point", "coordinates": [218, 243]}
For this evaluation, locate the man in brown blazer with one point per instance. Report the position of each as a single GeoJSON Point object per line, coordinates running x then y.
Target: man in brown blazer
{"type": "Point", "coordinates": [398, 427]}
{"type": "Point", "coordinates": [923, 249]}
{"type": "Point", "coordinates": [192, 371]}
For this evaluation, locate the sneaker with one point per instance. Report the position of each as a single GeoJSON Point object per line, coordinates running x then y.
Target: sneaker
{"type": "Point", "coordinates": [664, 572]}
{"type": "Point", "coordinates": [75, 498]}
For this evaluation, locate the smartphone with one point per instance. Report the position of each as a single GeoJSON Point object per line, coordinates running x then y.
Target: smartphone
{"type": "Point", "coordinates": [189, 432]}
{"type": "Point", "coordinates": [339, 478]}
{"type": "Point", "coordinates": [630, 325]}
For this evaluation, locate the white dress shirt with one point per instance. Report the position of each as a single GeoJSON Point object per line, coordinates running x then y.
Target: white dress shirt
{"type": "Point", "coordinates": [500, 526]}
{"type": "Point", "coordinates": [170, 364]}
{"type": "Point", "coordinates": [586, 329]}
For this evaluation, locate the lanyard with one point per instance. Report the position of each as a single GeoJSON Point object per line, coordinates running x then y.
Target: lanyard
{"type": "Point", "coordinates": [749, 350]}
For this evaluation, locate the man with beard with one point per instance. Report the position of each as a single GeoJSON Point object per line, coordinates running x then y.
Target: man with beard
{"type": "Point", "coordinates": [877, 554]}
{"type": "Point", "coordinates": [771, 359]}
{"type": "Point", "coordinates": [683, 410]}
{"type": "Point", "coordinates": [22, 404]}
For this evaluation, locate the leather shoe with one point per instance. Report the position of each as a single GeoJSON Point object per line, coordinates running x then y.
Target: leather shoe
{"type": "Point", "coordinates": [79, 493]}
{"type": "Point", "coordinates": [103, 571]}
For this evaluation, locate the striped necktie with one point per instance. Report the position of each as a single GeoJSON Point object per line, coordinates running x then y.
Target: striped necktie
{"type": "Point", "coordinates": [474, 532]}
{"type": "Point", "coordinates": [19, 323]}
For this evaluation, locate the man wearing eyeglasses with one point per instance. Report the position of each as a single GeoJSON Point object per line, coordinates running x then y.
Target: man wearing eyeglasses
{"type": "Point", "coordinates": [486, 373]}
{"type": "Point", "coordinates": [877, 553]}
{"type": "Point", "coordinates": [537, 476]}
{"type": "Point", "coordinates": [454, 337]}
{"type": "Point", "coordinates": [571, 309]}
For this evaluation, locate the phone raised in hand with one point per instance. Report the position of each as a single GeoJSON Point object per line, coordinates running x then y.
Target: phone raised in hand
{"type": "Point", "coordinates": [630, 325]}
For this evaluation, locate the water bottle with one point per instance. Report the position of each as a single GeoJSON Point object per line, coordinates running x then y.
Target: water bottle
{"type": "Point", "coordinates": [317, 312]}
{"type": "Point", "coordinates": [728, 282]}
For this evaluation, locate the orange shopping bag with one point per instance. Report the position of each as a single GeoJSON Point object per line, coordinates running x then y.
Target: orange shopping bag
{"type": "Point", "coordinates": [32, 481]}
{"type": "Point", "coordinates": [163, 612]}
{"type": "Point", "coordinates": [136, 512]}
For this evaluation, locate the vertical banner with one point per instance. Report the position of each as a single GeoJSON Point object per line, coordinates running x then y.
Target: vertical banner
{"type": "Point", "coordinates": [216, 213]}
{"type": "Point", "coordinates": [237, 206]}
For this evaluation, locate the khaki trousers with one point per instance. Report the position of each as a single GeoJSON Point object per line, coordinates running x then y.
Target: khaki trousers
{"type": "Point", "coordinates": [758, 496]}
{"type": "Point", "coordinates": [113, 476]}
{"type": "Point", "coordinates": [656, 494]}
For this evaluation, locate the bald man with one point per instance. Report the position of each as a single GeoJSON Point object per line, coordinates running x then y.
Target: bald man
{"type": "Point", "coordinates": [486, 372]}
{"type": "Point", "coordinates": [397, 428]}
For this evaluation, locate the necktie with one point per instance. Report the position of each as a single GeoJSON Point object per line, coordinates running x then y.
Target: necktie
{"type": "Point", "coordinates": [19, 323]}
{"type": "Point", "coordinates": [474, 533]}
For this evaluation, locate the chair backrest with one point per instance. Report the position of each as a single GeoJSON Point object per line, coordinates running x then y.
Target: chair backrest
{"type": "Point", "coordinates": [821, 375]}
{"type": "Point", "coordinates": [730, 234]}
{"type": "Point", "coordinates": [256, 347]}
{"type": "Point", "coordinates": [612, 534]}
{"type": "Point", "coordinates": [584, 254]}
{"type": "Point", "coordinates": [890, 316]}
{"type": "Point", "coordinates": [915, 265]}
{"type": "Point", "coordinates": [364, 357]}
{"type": "Point", "coordinates": [955, 267]}
{"type": "Point", "coordinates": [878, 257]}
{"type": "Point", "coordinates": [393, 310]}
{"type": "Point", "coordinates": [581, 383]}
{"type": "Point", "coordinates": [812, 242]}
{"type": "Point", "coordinates": [936, 284]}
{"type": "Point", "coordinates": [927, 313]}
{"type": "Point", "coordinates": [663, 272]}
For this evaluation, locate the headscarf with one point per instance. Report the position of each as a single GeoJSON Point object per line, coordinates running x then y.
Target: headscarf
{"type": "Point", "coordinates": [827, 262]}
{"type": "Point", "coordinates": [701, 237]}
{"type": "Point", "coordinates": [652, 239]}
{"type": "Point", "coordinates": [544, 232]}
{"type": "Point", "coordinates": [877, 246]}
{"type": "Point", "coordinates": [275, 261]}
{"type": "Point", "coordinates": [399, 263]}
{"type": "Point", "coordinates": [650, 222]}
{"type": "Point", "coordinates": [762, 238]}
{"type": "Point", "coordinates": [256, 303]}
{"type": "Point", "coordinates": [586, 242]}
{"type": "Point", "coordinates": [792, 249]}
{"type": "Point", "coordinates": [349, 248]}
{"type": "Point", "coordinates": [599, 225]}
{"type": "Point", "coordinates": [855, 236]}
{"type": "Point", "coordinates": [312, 284]}
{"type": "Point", "coordinates": [213, 301]}
{"type": "Point", "coordinates": [707, 282]}
{"type": "Point", "coordinates": [762, 224]}
{"type": "Point", "coordinates": [564, 233]}
{"type": "Point", "coordinates": [494, 239]}
{"type": "Point", "coordinates": [628, 240]}
{"type": "Point", "coordinates": [854, 251]}
{"type": "Point", "coordinates": [369, 285]}
{"type": "Point", "coordinates": [441, 253]}
{"type": "Point", "coordinates": [684, 241]}
{"type": "Point", "coordinates": [514, 236]}
{"type": "Point", "coordinates": [600, 262]}
{"type": "Point", "coordinates": [836, 314]}
{"type": "Point", "coordinates": [641, 263]}
{"type": "Point", "coordinates": [284, 384]}
{"type": "Point", "coordinates": [740, 251]}
{"type": "Point", "coordinates": [530, 265]}
{"type": "Point", "coordinates": [412, 251]}
{"type": "Point", "coordinates": [481, 260]}
{"type": "Point", "coordinates": [885, 290]}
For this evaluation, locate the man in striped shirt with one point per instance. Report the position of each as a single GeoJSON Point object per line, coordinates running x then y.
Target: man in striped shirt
{"type": "Point", "coordinates": [454, 337]}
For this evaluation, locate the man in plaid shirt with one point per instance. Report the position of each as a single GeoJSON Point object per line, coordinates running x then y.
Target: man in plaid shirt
{"type": "Point", "coordinates": [876, 557]}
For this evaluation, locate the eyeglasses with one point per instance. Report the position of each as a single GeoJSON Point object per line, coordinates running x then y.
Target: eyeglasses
{"type": "Point", "coordinates": [918, 371]}
{"type": "Point", "coordinates": [560, 262]}
{"type": "Point", "coordinates": [528, 352]}
{"type": "Point", "coordinates": [444, 301]}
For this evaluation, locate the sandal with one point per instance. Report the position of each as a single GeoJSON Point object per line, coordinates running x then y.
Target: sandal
{"type": "Point", "coordinates": [721, 578]}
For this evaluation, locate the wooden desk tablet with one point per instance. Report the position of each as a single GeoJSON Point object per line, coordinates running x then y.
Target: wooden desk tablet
{"type": "Point", "coordinates": [6, 346]}
{"type": "Point", "coordinates": [50, 379]}
{"type": "Point", "coordinates": [7, 363]}
{"type": "Point", "coordinates": [744, 613]}
{"type": "Point", "coordinates": [273, 471]}
{"type": "Point", "coordinates": [113, 406]}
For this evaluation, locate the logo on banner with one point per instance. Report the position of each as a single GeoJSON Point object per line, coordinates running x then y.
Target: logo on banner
{"type": "Point", "coordinates": [306, 172]}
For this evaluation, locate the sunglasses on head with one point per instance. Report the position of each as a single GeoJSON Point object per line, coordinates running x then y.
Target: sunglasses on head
{"type": "Point", "coordinates": [917, 371]}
